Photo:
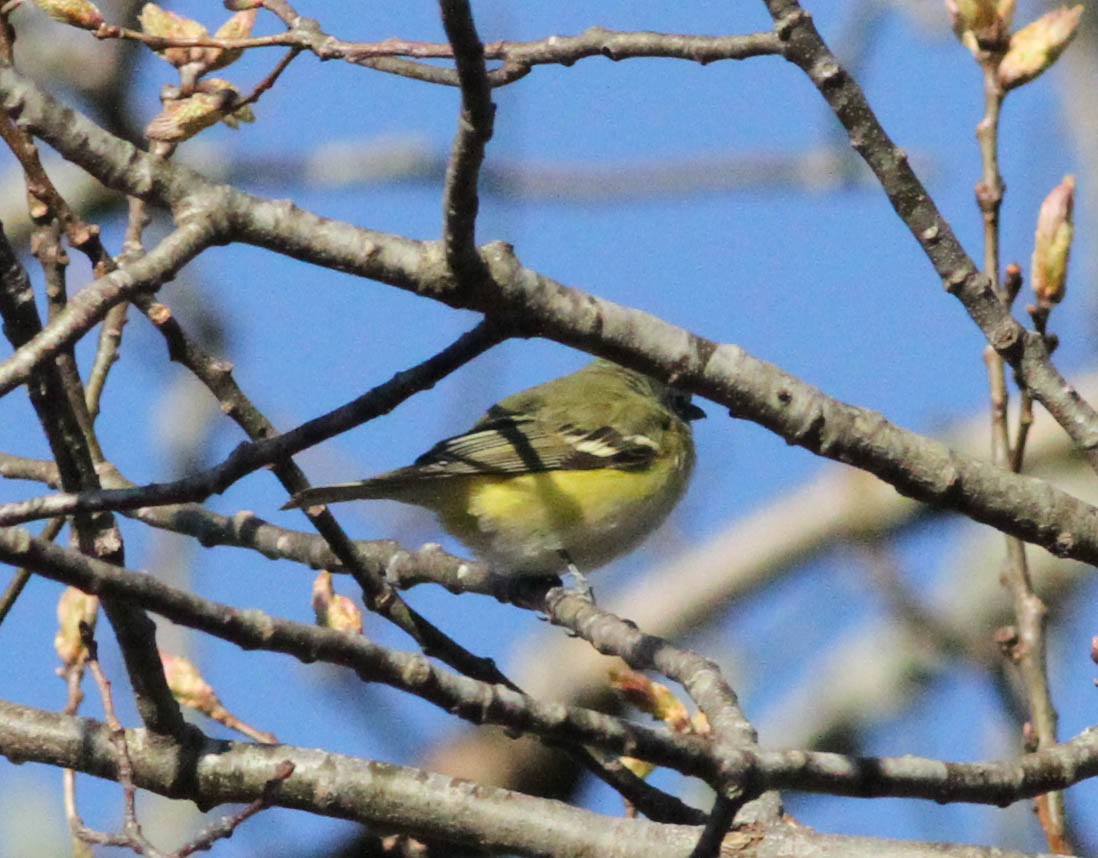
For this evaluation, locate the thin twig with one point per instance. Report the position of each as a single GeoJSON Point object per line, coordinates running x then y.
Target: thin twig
{"type": "Point", "coordinates": [1028, 650]}
{"type": "Point", "coordinates": [517, 58]}
{"type": "Point", "coordinates": [225, 828]}
{"type": "Point", "coordinates": [110, 334]}
{"type": "Point", "coordinates": [270, 79]}
{"type": "Point", "coordinates": [22, 576]}
{"type": "Point", "coordinates": [124, 766]}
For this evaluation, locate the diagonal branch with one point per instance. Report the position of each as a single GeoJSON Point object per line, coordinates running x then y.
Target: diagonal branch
{"type": "Point", "coordinates": [700, 677]}
{"type": "Point", "coordinates": [90, 305]}
{"type": "Point", "coordinates": [1025, 351]}
{"type": "Point", "coordinates": [56, 405]}
{"type": "Point", "coordinates": [472, 699]}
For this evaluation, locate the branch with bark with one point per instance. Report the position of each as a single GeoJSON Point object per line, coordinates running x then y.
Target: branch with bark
{"type": "Point", "coordinates": [515, 301]}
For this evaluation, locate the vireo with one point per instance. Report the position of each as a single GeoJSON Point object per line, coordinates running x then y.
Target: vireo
{"type": "Point", "coordinates": [571, 472]}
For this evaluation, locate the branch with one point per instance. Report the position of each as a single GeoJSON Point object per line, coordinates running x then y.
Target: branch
{"type": "Point", "coordinates": [700, 677]}
{"type": "Point", "coordinates": [753, 770]}
{"type": "Point", "coordinates": [404, 568]}
{"type": "Point", "coordinates": [460, 202]}
{"type": "Point", "coordinates": [57, 402]}
{"type": "Point", "coordinates": [405, 799]}
{"type": "Point", "coordinates": [249, 457]}
{"type": "Point", "coordinates": [90, 305]}
{"type": "Point", "coordinates": [476, 701]}
{"type": "Point", "coordinates": [518, 57]}
{"type": "Point", "coordinates": [531, 303]}
{"type": "Point", "coordinates": [1025, 351]}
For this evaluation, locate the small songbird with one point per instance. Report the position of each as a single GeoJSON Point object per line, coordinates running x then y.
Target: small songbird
{"type": "Point", "coordinates": [565, 475]}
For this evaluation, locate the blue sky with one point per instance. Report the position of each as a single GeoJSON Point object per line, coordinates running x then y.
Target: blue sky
{"type": "Point", "coordinates": [825, 282]}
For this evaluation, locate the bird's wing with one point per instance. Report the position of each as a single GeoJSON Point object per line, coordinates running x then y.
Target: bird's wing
{"type": "Point", "coordinates": [513, 443]}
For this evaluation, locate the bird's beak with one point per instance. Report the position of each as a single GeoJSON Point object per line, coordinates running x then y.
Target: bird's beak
{"type": "Point", "coordinates": [692, 412]}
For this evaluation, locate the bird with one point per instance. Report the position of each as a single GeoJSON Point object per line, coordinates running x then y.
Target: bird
{"type": "Point", "coordinates": [563, 476]}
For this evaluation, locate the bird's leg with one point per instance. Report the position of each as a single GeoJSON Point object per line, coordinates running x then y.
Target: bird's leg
{"type": "Point", "coordinates": [581, 587]}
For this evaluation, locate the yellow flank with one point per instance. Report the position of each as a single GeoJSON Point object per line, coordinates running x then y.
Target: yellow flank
{"type": "Point", "coordinates": [522, 522]}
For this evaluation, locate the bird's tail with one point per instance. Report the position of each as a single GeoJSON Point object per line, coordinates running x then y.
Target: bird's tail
{"type": "Point", "coordinates": [406, 485]}
{"type": "Point", "coordinates": [360, 490]}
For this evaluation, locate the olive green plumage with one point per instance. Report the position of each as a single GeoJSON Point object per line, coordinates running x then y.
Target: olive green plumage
{"type": "Point", "coordinates": [578, 469]}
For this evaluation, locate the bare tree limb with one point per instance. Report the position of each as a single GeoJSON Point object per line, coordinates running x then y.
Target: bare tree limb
{"type": "Point", "coordinates": [407, 799]}
{"type": "Point", "coordinates": [996, 783]}
{"type": "Point", "coordinates": [1025, 351]}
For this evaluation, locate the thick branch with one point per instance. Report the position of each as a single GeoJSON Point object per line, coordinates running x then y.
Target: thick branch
{"type": "Point", "coordinates": [408, 800]}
